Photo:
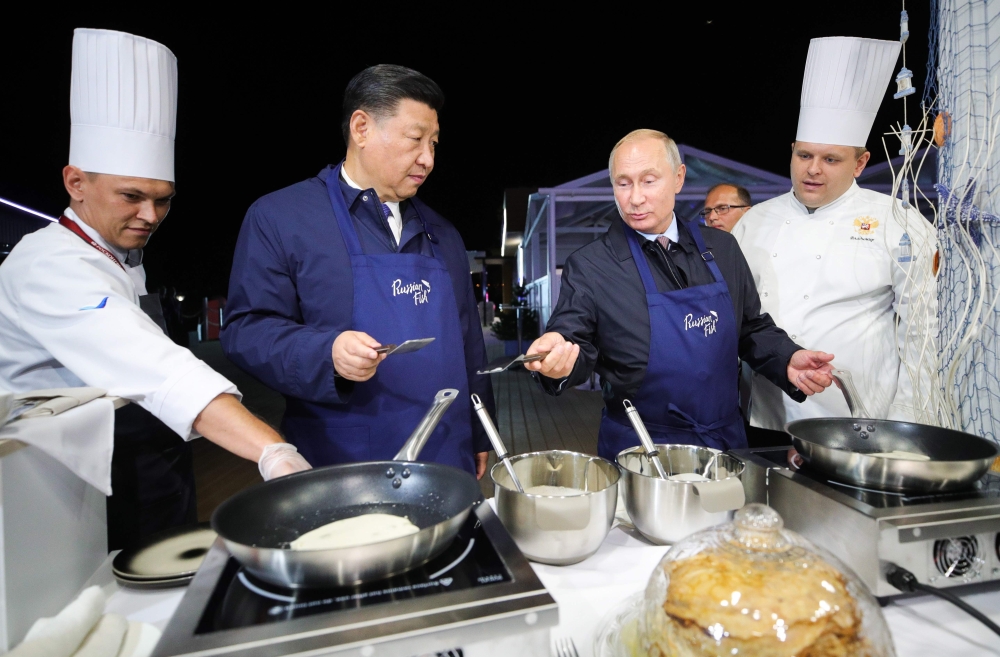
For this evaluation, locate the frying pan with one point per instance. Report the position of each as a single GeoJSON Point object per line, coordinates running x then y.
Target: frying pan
{"type": "Point", "coordinates": [842, 449]}
{"type": "Point", "coordinates": [257, 524]}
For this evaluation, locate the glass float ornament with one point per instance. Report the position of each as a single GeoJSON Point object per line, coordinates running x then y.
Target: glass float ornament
{"type": "Point", "coordinates": [904, 83]}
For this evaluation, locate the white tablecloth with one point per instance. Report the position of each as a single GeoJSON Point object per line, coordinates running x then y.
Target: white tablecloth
{"type": "Point", "coordinates": [589, 591]}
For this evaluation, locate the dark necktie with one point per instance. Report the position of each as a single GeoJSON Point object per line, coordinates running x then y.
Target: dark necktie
{"type": "Point", "coordinates": [388, 218]}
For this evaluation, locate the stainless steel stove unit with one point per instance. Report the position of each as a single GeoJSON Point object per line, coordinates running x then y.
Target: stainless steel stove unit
{"type": "Point", "coordinates": [480, 598]}
{"type": "Point", "coordinates": [945, 540]}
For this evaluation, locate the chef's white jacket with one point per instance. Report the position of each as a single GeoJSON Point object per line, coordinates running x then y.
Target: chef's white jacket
{"type": "Point", "coordinates": [853, 278]}
{"type": "Point", "coordinates": [69, 316]}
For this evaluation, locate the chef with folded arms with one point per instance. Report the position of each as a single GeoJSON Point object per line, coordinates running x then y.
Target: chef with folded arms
{"type": "Point", "coordinates": [662, 309]}
{"type": "Point", "coordinates": [73, 304]}
{"type": "Point", "coordinates": [837, 265]}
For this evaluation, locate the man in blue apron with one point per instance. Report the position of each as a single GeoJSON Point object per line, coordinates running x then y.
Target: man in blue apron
{"type": "Point", "coordinates": [662, 309]}
{"type": "Point", "coordinates": [328, 270]}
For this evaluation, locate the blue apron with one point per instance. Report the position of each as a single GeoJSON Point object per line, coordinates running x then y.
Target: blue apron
{"type": "Point", "coordinates": [397, 296]}
{"type": "Point", "coordinates": [689, 394]}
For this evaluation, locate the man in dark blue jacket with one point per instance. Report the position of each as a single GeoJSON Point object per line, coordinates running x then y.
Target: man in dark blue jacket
{"type": "Point", "coordinates": [328, 270]}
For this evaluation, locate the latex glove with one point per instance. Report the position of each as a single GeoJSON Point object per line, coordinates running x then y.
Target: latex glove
{"type": "Point", "coordinates": [280, 459]}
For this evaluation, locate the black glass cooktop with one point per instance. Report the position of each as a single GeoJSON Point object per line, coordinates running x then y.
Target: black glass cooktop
{"type": "Point", "coordinates": [242, 600]}
{"type": "Point", "coordinates": [986, 488]}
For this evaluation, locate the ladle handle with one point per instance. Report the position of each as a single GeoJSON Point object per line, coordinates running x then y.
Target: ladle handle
{"type": "Point", "coordinates": [851, 396]}
{"type": "Point", "coordinates": [415, 443]}
{"type": "Point", "coordinates": [491, 429]}
{"type": "Point", "coordinates": [495, 439]}
{"type": "Point", "coordinates": [644, 437]}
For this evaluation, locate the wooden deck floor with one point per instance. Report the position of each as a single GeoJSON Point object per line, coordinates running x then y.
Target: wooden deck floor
{"type": "Point", "coordinates": [527, 419]}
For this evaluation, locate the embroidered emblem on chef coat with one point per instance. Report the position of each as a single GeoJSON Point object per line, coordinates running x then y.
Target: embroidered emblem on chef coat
{"type": "Point", "coordinates": [865, 225]}
{"type": "Point", "coordinates": [103, 303]}
{"type": "Point", "coordinates": [418, 291]}
{"type": "Point", "coordinates": [705, 322]}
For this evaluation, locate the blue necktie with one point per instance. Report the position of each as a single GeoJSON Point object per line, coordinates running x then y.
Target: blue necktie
{"type": "Point", "coordinates": [388, 214]}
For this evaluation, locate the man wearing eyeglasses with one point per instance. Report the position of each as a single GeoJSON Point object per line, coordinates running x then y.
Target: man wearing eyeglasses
{"type": "Point", "coordinates": [725, 204]}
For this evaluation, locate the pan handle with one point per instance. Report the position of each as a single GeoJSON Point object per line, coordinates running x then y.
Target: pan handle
{"type": "Point", "coordinates": [846, 383]}
{"type": "Point", "coordinates": [415, 443]}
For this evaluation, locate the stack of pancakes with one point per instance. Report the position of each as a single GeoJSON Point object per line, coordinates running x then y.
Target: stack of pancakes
{"type": "Point", "coordinates": [727, 603]}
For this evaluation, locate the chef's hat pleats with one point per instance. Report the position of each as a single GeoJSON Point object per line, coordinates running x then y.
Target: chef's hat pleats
{"type": "Point", "coordinates": [844, 83]}
{"type": "Point", "coordinates": [123, 105]}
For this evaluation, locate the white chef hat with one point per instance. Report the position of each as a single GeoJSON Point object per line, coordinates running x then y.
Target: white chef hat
{"type": "Point", "coordinates": [844, 83]}
{"type": "Point", "coordinates": [123, 105]}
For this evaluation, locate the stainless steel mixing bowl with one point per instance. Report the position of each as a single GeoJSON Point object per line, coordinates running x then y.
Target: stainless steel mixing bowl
{"type": "Point", "coordinates": [666, 511]}
{"type": "Point", "coordinates": [558, 530]}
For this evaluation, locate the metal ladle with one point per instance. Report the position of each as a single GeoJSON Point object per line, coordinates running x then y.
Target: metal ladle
{"type": "Point", "coordinates": [647, 443]}
{"type": "Point", "coordinates": [708, 466]}
{"type": "Point", "coordinates": [494, 436]}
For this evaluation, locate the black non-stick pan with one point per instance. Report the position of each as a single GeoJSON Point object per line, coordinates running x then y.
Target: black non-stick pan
{"type": "Point", "coordinates": [258, 524]}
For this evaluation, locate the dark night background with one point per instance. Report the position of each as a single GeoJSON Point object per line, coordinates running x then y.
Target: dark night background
{"type": "Point", "coordinates": [533, 99]}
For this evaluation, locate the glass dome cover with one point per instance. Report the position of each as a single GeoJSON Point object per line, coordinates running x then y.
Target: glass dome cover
{"type": "Point", "coordinates": [750, 587]}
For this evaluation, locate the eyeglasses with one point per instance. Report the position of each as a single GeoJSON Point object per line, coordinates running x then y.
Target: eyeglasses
{"type": "Point", "coordinates": [720, 209]}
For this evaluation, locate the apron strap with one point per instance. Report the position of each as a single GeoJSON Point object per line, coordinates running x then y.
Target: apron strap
{"type": "Point", "coordinates": [688, 423]}
{"type": "Point", "coordinates": [706, 255]}
{"type": "Point", "coordinates": [341, 212]}
{"type": "Point", "coordinates": [643, 266]}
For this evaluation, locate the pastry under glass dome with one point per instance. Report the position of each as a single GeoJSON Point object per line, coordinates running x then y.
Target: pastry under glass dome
{"type": "Point", "coordinates": [750, 587]}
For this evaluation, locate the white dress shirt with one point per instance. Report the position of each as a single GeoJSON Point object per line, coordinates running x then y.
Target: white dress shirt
{"type": "Point", "coordinates": [69, 316]}
{"type": "Point", "coordinates": [837, 280]}
{"type": "Point", "coordinates": [671, 233]}
{"type": "Point", "coordinates": [395, 218]}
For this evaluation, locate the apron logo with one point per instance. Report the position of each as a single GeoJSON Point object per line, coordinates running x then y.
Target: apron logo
{"type": "Point", "coordinates": [706, 322]}
{"type": "Point", "coordinates": [418, 290]}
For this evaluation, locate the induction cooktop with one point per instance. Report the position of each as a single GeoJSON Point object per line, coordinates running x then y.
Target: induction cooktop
{"type": "Point", "coordinates": [481, 586]}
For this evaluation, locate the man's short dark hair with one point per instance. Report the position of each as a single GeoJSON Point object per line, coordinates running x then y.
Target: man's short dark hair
{"type": "Point", "coordinates": [741, 192]}
{"type": "Point", "coordinates": [378, 90]}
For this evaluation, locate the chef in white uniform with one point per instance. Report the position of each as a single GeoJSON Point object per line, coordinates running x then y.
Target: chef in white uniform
{"type": "Point", "coordinates": [73, 302]}
{"type": "Point", "coordinates": [837, 266]}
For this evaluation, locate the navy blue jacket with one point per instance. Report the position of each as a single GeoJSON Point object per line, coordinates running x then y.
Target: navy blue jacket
{"type": "Point", "coordinates": [291, 291]}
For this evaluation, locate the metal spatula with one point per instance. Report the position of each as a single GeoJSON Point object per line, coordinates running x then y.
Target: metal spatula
{"type": "Point", "coordinates": [520, 359]}
{"type": "Point", "coordinates": [494, 435]}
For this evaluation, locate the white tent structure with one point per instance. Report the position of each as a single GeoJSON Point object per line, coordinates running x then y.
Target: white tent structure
{"type": "Point", "coordinates": [564, 218]}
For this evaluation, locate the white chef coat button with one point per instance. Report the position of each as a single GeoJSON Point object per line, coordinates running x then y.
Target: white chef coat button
{"type": "Point", "coordinates": [831, 223]}
{"type": "Point", "coordinates": [367, 651]}
{"type": "Point", "coordinates": [819, 257]}
{"type": "Point", "coordinates": [765, 294]}
{"type": "Point", "coordinates": [793, 337]}
{"type": "Point", "coordinates": [774, 255]}
{"type": "Point", "coordinates": [788, 221]}
{"type": "Point", "coordinates": [364, 198]}
{"type": "Point", "coordinates": [531, 618]}
{"type": "Point", "coordinates": [806, 297]}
